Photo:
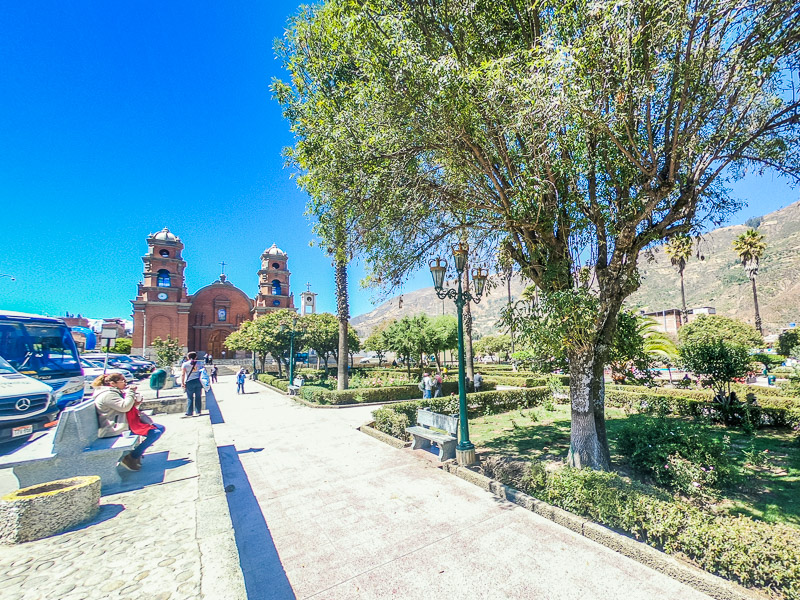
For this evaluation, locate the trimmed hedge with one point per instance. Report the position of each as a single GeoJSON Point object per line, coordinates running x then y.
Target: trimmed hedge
{"type": "Point", "coordinates": [522, 381]}
{"type": "Point", "coordinates": [771, 411]}
{"type": "Point", "coordinates": [753, 553]}
{"type": "Point", "coordinates": [321, 395]}
{"type": "Point", "coordinates": [274, 381]}
{"type": "Point", "coordinates": [394, 418]}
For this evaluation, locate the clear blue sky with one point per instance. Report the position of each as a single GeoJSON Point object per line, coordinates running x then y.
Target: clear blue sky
{"type": "Point", "coordinates": [121, 118]}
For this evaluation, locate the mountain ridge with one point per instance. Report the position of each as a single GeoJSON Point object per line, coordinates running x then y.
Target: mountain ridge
{"type": "Point", "coordinates": [719, 281]}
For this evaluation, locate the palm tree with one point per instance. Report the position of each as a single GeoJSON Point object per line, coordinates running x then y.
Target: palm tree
{"type": "Point", "coordinates": [679, 249]}
{"type": "Point", "coordinates": [750, 247]}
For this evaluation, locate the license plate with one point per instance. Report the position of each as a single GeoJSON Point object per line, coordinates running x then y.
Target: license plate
{"type": "Point", "coordinates": [24, 430]}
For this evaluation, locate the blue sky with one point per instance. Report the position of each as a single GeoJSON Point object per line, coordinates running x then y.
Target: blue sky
{"type": "Point", "coordinates": [121, 118]}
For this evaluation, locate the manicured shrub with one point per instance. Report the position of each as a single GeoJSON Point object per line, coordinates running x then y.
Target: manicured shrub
{"type": "Point", "coordinates": [479, 403]}
{"type": "Point", "coordinates": [321, 395]}
{"type": "Point", "coordinates": [526, 381]}
{"type": "Point", "coordinates": [684, 457]}
{"type": "Point", "coordinates": [274, 381]}
{"type": "Point", "coordinates": [753, 553]}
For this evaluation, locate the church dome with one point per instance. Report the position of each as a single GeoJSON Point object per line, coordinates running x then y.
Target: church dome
{"type": "Point", "coordinates": [274, 251]}
{"type": "Point", "coordinates": [165, 236]}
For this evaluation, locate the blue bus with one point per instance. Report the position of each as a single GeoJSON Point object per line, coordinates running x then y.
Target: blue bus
{"type": "Point", "coordinates": [43, 348]}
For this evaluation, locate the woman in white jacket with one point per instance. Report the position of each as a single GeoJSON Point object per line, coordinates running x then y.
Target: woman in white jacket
{"type": "Point", "coordinates": [113, 407]}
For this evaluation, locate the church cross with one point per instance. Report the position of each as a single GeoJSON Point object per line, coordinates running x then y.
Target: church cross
{"type": "Point", "coordinates": [308, 286]}
{"type": "Point", "coordinates": [223, 267]}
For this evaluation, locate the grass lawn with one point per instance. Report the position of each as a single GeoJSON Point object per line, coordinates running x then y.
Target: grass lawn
{"type": "Point", "coordinates": [770, 492]}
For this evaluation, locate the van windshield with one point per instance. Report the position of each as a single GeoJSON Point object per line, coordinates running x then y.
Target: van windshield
{"type": "Point", "coordinates": [38, 348]}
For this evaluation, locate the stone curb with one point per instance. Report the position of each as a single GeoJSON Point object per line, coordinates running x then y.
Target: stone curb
{"type": "Point", "coordinates": [383, 437]}
{"type": "Point", "coordinates": [705, 582]}
{"type": "Point", "coordinates": [221, 576]}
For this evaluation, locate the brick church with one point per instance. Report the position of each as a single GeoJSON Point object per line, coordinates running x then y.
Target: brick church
{"type": "Point", "coordinates": [202, 321]}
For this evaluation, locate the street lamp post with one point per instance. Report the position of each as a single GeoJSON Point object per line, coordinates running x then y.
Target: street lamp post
{"type": "Point", "coordinates": [291, 355]}
{"type": "Point", "coordinates": [465, 450]}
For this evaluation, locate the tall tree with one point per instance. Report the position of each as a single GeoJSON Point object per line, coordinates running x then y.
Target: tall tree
{"type": "Point", "coordinates": [679, 250]}
{"type": "Point", "coordinates": [750, 247]}
{"type": "Point", "coordinates": [582, 132]}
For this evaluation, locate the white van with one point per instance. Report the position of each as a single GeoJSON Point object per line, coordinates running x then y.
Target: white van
{"type": "Point", "coordinates": [26, 404]}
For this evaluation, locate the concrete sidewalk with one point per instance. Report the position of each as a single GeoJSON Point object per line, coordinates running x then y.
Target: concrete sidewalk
{"type": "Point", "coordinates": [167, 535]}
{"type": "Point", "coordinates": [323, 511]}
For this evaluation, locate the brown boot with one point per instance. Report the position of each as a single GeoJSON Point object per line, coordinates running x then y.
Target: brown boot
{"type": "Point", "coordinates": [130, 463]}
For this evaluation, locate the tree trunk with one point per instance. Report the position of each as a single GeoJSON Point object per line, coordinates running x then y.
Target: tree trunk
{"type": "Point", "coordinates": [755, 304]}
{"type": "Point", "coordinates": [685, 313]}
{"type": "Point", "coordinates": [343, 313]}
{"type": "Point", "coordinates": [510, 273]}
{"type": "Point", "coordinates": [468, 356]}
{"type": "Point", "coordinates": [588, 441]}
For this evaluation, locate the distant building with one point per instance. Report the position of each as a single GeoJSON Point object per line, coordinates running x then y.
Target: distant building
{"type": "Point", "coordinates": [671, 319]}
{"type": "Point", "coordinates": [203, 320]}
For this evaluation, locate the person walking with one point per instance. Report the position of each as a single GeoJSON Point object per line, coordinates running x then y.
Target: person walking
{"type": "Point", "coordinates": [240, 379]}
{"type": "Point", "coordinates": [477, 381]}
{"type": "Point", "coordinates": [427, 386]}
{"type": "Point", "coordinates": [437, 385]}
{"type": "Point", "coordinates": [118, 412]}
{"type": "Point", "coordinates": [209, 359]}
{"type": "Point", "coordinates": [190, 381]}
{"type": "Point", "coordinates": [214, 370]}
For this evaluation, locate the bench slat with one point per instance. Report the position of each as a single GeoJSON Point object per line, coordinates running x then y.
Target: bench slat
{"type": "Point", "coordinates": [434, 436]}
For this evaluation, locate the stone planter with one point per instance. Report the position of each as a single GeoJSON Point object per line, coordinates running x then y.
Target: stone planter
{"type": "Point", "coordinates": [45, 509]}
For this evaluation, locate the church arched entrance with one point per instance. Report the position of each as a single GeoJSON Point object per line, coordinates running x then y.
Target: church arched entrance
{"type": "Point", "coordinates": [215, 344]}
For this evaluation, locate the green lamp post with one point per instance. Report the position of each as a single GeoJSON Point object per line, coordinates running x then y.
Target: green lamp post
{"type": "Point", "coordinates": [292, 331]}
{"type": "Point", "coordinates": [465, 450]}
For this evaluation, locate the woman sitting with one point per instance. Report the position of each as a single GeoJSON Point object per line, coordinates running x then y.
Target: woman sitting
{"type": "Point", "coordinates": [118, 413]}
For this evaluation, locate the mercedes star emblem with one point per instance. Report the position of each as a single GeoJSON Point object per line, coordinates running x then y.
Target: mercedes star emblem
{"type": "Point", "coordinates": [23, 404]}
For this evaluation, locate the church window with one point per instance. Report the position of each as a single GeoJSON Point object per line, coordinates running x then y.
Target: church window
{"type": "Point", "coordinates": [276, 265]}
{"type": "Point", "coordinates": [276, 287]}
{"type": "Point", "coordinates": [163, 278]}
{"type": "Point", "coordinates": [164, 252]}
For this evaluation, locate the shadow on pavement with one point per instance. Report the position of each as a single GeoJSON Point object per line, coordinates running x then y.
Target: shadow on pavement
{"type": "Point", "coordinates": [154, 468]}
{"type": "Point", "coordinates": [213, 407]}
{"type": "Point", "coordinates": [264, 576]}
{"type": "Point", "coordinates": [106, 512]}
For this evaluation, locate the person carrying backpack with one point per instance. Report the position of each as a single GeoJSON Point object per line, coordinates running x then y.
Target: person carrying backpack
{"type": "Point", "coordinates": [240, 378]}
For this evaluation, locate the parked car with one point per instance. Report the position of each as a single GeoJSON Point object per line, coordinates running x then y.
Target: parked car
{"type": "Point", "coordinates": [92, 370]}
{"type": "Point", "coordinates": [27, 405]}
{"type": "Point", "coordinates": [142, 359]}
{"type": "Point", "coordinates": [121, 361]}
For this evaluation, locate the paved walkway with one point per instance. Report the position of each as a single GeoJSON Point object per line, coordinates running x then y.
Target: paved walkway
{"type": "Point", "coordinates": [324, 511]}
{"type": "Point", "coordinates": [165, 536]}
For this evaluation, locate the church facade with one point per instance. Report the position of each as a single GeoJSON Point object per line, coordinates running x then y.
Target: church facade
{"type": "Point", "coordinates": [200, 321]}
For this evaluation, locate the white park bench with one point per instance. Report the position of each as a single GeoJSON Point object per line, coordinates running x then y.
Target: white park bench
{"type": "Point", "coordinates": [71, 449]}
{"type": "Point", "coordinates": [423, 435]}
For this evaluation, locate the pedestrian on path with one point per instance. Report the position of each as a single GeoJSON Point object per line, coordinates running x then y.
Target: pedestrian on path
{"type": "Point", "coordinates": [477, 381]}
{"type": "Point", "coordinates": [214, 370]}
{"type": "Point", "coordinates": [240, 378]}
{"type": "Point", "coordinates": [437, 385]}
{"type": "Point", "coordinates": [426, 386]}
{"type": "Point", "coordinates": [209, 359]}
{"type": "Point", "coordinates": [114, 410]}
{"type": "Point", "coordinates": [190, 381]}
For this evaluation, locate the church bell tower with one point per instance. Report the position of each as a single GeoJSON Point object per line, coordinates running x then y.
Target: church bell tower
{"type": "Point", "coordinates": [273, 282]}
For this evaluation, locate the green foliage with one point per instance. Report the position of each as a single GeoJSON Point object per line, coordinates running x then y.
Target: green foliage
{"type": "Point", "coordinates": [268, 334]}
{"type": "Point", "coordinates": [771, 410]}
{"type": "Point", "coordinates": [753, 222]}
{"type": "Point", "coordinates": [679, 249]}
{"type": "Point", "coordinates": [122, 346]}
{"type": "Point", "coordinates": [716, 327]}
{"type": "Point", "coordinates": [677, 455]}
{"type": "Point", "coordinates": [168, 351]}
{"type": "Point", "coordinates": [321, 333]}
{"type": "Point", "coordinates": [483, 403]}
{"type": "Point", "coordinates": [378, 341]}
{"type": "Point", "coordinates": [768, 360]}
{"type": "Point", "coordinates": [558, 380]}
{"type": "Point", "coordinates": [492, 345]}
{"type": "Point", "coordinates": [752, 553]}
{"type": "Point", "coordinates": [788, 341]}
{"type": "Point", "coordinates": [750, 247]}
{"type": "Point", "coordinates": [718, 360]}
{"type": "Point", "coordinates": [418, 127]}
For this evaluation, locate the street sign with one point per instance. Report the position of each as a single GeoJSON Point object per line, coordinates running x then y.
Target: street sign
{"type": "Point", "coordinates": [108, 331]}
